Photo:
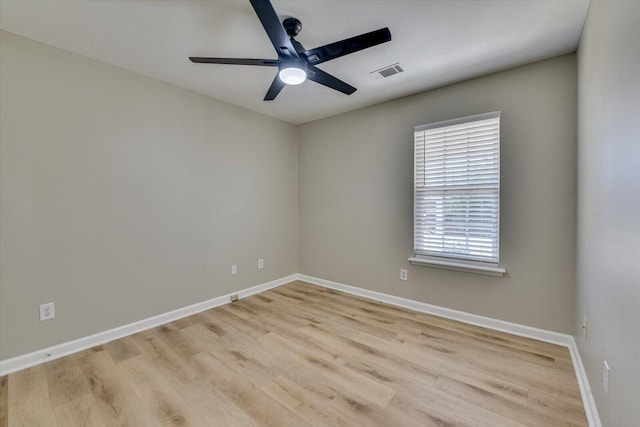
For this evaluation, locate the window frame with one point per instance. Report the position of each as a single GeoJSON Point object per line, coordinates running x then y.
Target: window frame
{"type": "Point", "coordinates": [449, 261]}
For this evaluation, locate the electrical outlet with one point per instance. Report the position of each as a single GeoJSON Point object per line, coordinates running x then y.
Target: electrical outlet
{"type": "Point", "coordinates": [234, 298]}
{"type": "Point", "coordinates": [47, 311]}
{"type": "Point", "coordinates": [584, 328]}
{"type": "Point", "coordinates": [403, 274]}
{"type": "Point", "coordinates": [605, 377]}
{"type": "Point", "coordinates": [234, 269]}
{"type": "Point", "coordinates": [260, 264]}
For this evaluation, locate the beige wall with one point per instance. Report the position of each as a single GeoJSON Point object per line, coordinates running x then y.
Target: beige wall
{"type": "Point", "coordinates": [609, 206]}
{"type": "Point", "coordinates": [123, 197]}
{"type": "Point", "coordinates": [355, 196]}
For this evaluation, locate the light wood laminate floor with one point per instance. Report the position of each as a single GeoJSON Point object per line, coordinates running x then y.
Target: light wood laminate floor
{"type": "Point", "coordinates": [302, 355]}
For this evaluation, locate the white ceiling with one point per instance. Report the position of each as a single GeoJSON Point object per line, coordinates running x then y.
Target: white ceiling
{"type": "Point", "coordinates": [436, 42]}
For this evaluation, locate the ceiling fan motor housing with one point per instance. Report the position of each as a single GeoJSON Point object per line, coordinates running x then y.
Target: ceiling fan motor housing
{"type": "Point", "coordinates": [292, 26]}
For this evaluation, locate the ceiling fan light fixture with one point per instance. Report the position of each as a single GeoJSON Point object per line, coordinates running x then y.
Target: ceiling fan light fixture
{"type": "Point", "coordinates": [292, 75]}
{"type": "Point", "coordinates": [295, 63]}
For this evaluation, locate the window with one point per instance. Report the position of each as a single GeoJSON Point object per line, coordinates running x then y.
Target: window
{"type": "Point", "coordinates": [457, 193]}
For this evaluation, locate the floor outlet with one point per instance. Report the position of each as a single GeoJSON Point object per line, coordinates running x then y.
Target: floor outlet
{"type": "Point", "coordinates": [260, 264]}
{"type": "Point", "coordinates": [234, 269]}
{"type": "Point", "coordinates": [47, 311]}
{"type": "Point", "coordinates": [605, 377]}
{"type": "Point", "coordinates": [403, 274]}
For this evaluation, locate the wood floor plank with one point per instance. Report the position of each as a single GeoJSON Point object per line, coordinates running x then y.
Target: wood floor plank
{"type": "Point", "coordinates": [473, 364]}
{"type": "Point", "coordinates": [377, 363]}
{"type": "Point", "coordinates": [29, 400]}
{"type": "Point", "coordinates": [421, 327]}
{"type": "Point", "coordinates": [4, 401]}
{"type": "Point", "coordinates": [214, 405]}
{"type": "Point", "coordinates": [342, 315]}
{"type": "Point", "coordinates": [301, 355]}
{"type": "Point", "coordinates": [258, 405]}
{"type": "Point", "coordinates": [112, 401]}
{"type": "Point", "coordinates": [401, 315]}
{"type": "Point", "coordinates": [502, 404]}
{"type": "Point", "coordinates": [184, 322]}
{"type": "Point", "coordinates": [183, 347]}
{"type": "Point", "coordinates": [487, 360]}
{"type": "Point", "coordinates": [122, 349]}
{"type": "Point", "coordinates": [420, 412]}
{"type": "Point", "coordinates": [443, 406]}
{"type": "Point", "coordinates": [158, 395]}
{"type": "Point", "coordinates": [65, 381]}
{"type": "Point", "coordinates": [306, 405]}
{"type": "Point", "coordinates": [366, 388]}
{"type": "Point", "coordinates": [249, 325]}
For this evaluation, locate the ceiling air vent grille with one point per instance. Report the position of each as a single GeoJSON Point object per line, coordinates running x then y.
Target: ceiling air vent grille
{"type": "Point", "coordinates": [388, 71]}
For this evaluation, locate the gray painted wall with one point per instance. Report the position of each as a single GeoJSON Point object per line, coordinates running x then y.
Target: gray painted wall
{"type": "Point", "coordinates": [608, 291]}
{"type": "Point", "coordinates": [356, 196]}
{"type": "Point", "coordinates": [123, 197]}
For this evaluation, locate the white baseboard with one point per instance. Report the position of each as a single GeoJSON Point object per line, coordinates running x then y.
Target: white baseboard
{"type": "Point", "coordinates": [486, 322]}
{"type": "Point", "coordinates": [24, 361]}
{"type": "Point", "coordinates": [585, 390]}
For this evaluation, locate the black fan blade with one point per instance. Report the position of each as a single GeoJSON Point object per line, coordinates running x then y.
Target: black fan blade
{"type": "Point", "coordinates": [326, 79]}
{"type": "Point", "coordinates": [235, 61]}
{"type": "Point", "coordinates": [274, 89]}
{"type": "Point", "coordinates": [274, 28]}
{"type": "Point", "coordinates": [344, 47]}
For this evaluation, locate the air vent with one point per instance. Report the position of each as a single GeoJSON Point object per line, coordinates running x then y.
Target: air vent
{"type": "Point", "coordinates": [388, 71]}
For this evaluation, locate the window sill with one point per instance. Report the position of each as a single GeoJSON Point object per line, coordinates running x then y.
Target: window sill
{"type": "Point", "coordinates": [458, 266]}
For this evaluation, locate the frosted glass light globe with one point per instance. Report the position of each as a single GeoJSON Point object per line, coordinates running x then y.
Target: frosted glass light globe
{"type": "Point", "coordinates": [292, 75]}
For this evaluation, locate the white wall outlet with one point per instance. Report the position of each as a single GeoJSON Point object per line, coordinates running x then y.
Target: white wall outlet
{"type": "Point", "coordinates": [260, 264]}
{"type": "Point", "coordinates": [605, 377]}
{"type": "Point", "coordinates": [584, 328]}
{"type": "Point", "coordinates": [47, 311]}
{"type": "Point", "coordinates": [234, 269]}
{"type": "Point", "coordinates": [403, 274]}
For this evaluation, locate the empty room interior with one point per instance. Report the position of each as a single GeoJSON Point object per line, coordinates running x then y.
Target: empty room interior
{"type": "Point", "coordinates": [323, 212]}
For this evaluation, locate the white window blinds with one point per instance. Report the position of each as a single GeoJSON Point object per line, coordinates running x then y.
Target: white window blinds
{"type": "Point", "coordinates": [457, 189]}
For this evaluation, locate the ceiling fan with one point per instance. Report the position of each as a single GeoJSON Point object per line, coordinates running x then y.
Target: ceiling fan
{"type": "Point", "coordinates": [295, 63]}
